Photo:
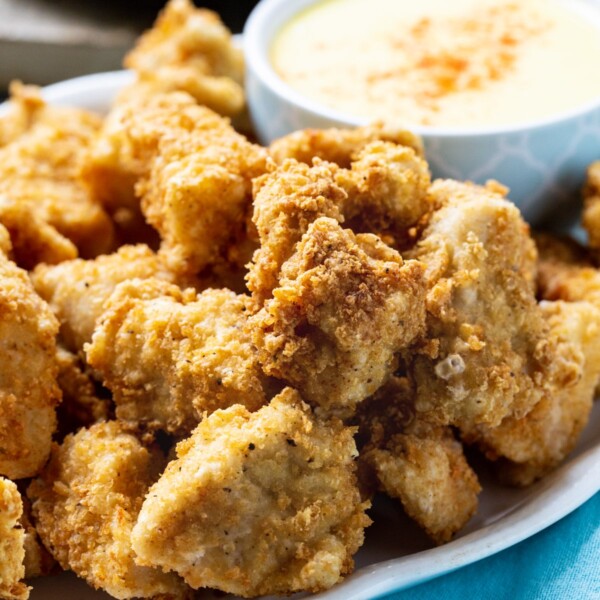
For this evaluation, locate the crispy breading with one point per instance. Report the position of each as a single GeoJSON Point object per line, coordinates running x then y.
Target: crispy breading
{"type": "Point", "coordinates": [12, 541]}
{"type": "Point", "coordinates": [81, 405]}
{"type": "Point", "coordinates": [85, 504]}
{"type": "Point", "coordinates": [257, 503]}
{"type": "Point", "coordinates": [77, 290]}
{"type": "Point", "coordinates": [387, 188]}
{"type": "Point", "coordinates": [5, 242]}
{"type": "Point", "coordinates": [383, 192]}
{"type": "Point", "coordinates": [33, 240]}
{"type": "Point", "coordinates": [170, 356]}
{"type": "Point", "coordinates": [28, 389]}
{"type": "Point", "coordinates": [190, 50]}
{"type": "Point", "coordinates": [489, 353]}
{"type": "Point", "coordinates": [421, 465]}
{"type": "Point", "coordinates": [534, 444]}
{"type": "Point", "coordinates": [566, 271]}
{"type": "Point", "coordinates": [345, 305]}
{"type": "Point", "coordinates": [591, 208]}
{"type": "Point", "coordinates": [37, 561]}
{"type": "Point", "coordinates": [286, 202]}
{"type": "Point", "coordinates": [340, 146]}
{"type": "Point", "coordinates": [42, 169]}
{"type": "Point", "coordinates": [192, 172]}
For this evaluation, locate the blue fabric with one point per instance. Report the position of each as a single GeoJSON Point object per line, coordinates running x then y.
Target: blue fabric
{"type": "Point", "coordinates": [561, 562]}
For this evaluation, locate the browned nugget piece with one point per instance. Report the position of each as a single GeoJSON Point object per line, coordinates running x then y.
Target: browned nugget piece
{"type": "Point", "coordinates": [171, 356]}
{"type": "Point", "coordinates": [81, 405]}
{"type": "Point", "coordinates": [421, 465]}
{"type": "Point", "coordinates": [591, 207]}
{"type": "Point", "coordinates": [12, 540]}
{"type": "Point", "coordinates": [86, 502]}
{"type": "Point", "coordinates": [489, 352]}
{"type": "Point", "coordinates": [257, 503]}
{"type": "Point", "coordinates": [566, 271]}
{"type": "Point", "coordinates": [193, 174]}
{"type": "Point", "coordinates": [5, 242]}
{"type": "Point", "coordinates": [340, 146]}
{"type": "Point", "coordinates": [33, 240]}
{"type": "Point", "coordinates": [77, 290]}
{"type": "Point", "coordinates": [534, 444]}
{"type": "Point", "coordinates": [28, 389]}
{"type": "Point", "coordinates": [387, 188]}
{"type": "Point", "coordinates": [42, 169]}
{"type": "Point", "coordinates": [286, 202]}
{"type": "Point", "coordinates": [37, 561]}
{"type": "Point", "coordinates": [190, 50]}
{"type": "Point", "coordinates": [345, 305]}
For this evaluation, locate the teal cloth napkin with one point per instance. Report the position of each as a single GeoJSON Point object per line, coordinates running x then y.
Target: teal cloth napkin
{"type": "Point", "coordinates": [561, 562]}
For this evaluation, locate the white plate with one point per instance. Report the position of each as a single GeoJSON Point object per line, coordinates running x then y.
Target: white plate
{"type": "Point", "coordinates": [396, 554]}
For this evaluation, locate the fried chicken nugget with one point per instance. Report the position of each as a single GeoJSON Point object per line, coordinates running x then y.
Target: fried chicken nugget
{"type": "Point", "coordinates": [41, 168]}
{"type": "Point", "coordinates": [12, 541]}
{"type": "Point", "coordinates": [489, 353]}
{"type": "Point", "coordinates": [591, 205]}
{"type": "Point", "coordinates": [257, 503]}
{"type": "Point", "coordinates": [286, 202]}
{"type": "Point", "coordinates": [38, 561]}
{"type": "Point", "coordinates": [420, 464]}
{"type": "Point", "coordinates": [77, 290]}
{"type": "Point", "coordinates": [566, 271]}
{"type": "Point", "coordinates": [534, 444]}
{"type": "Point", "coordinates": [193, 174]}
{"type": "Point", "coordinates": [190, 50]}
{"type": "Point", "coordinates": [345, 305]}
{"type": "Point", "coordinates": [339, 146]}
{"type": "Point", "coordinates": [85, 504]}
{"type": "Point", "coordinates": [384, 192]}
{"type": "Point", "coordinates": [170, 356]}
{"type": "Point", "coordinates": [28, 389]}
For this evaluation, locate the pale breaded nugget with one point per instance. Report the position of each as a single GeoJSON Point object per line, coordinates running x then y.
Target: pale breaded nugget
{"type": "Point", "coordinates": [190, 50]}
{"type": "Point", "coordinates": [191, 170]}
{"type": "Point", "coordinates": [77, 290]}
{"type": "Point", "coordinates": [85, 504]}
{"type": "Point", "coordinates": [421, 465]}
{"type": "Point", "coordinates": [489, 352]}
{"type": "Point", "coordinates": [42, 169]}
{"type": "Point", "coordinates": [345, 305]}
{"type": "Point", "coordinates": [169, 356]}
{"type": "Point", "coordinates": [12, 541]}
{"type": "Point", "coordinates": [340, 146]}
{"type": "Point", "coordinates": [591, 208]}
{"type": "Point", "coordinates": [534, 444]}
{"type": "Point", "coordinates": [257, 503]}
{"type": "Point", "coordinates": [28, 389]}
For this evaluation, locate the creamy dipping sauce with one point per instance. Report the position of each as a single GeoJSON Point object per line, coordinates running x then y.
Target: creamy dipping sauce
{"type": "Point", "coordinates": [443, 63]}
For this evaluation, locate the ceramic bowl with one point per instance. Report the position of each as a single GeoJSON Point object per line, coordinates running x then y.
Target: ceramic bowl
{"type": "Point", "coordinates": [543, 162]}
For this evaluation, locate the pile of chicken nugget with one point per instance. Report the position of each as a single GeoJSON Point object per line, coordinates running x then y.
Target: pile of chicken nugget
{"type": "Point", "coordinates": [214, 354]}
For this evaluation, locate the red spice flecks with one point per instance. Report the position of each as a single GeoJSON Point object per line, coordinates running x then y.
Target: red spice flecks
{"type": "Point", "coordinates": [438, 57]}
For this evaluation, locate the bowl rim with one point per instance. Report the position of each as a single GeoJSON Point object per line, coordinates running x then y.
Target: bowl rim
{"type": "Point", "coordinates": [267, 18]}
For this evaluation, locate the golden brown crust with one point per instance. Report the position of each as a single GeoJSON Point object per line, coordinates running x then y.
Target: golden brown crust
{"type": "Point", "coordinates": [257, 503]}
{"type": "Point", "coordinates": [169, 357]}
{"type": "Point", "coordinates": [12, 541]}
{"type": "Point", "coordinates": [41, 171]}
{"type": "Point", "coordinates": [344, 307]}
{"type": "Point", "coordinates": [591, 208]}
{"type": "Point", "coordinates": [189, 50]}
{"type": "Point", "coordinates": [28, 389]}
{"type": "Point", "coordinates": [85, 504]}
